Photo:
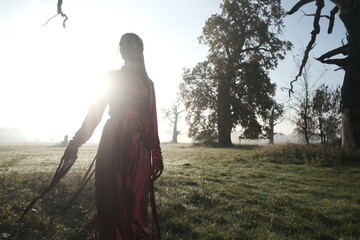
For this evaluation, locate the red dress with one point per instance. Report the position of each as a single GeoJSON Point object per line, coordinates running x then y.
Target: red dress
{"type": "Point", "coordinates": [128, 151]}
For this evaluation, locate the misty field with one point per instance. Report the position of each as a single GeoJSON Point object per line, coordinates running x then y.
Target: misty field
{"type": "Point", "coordinates": [247, 192]}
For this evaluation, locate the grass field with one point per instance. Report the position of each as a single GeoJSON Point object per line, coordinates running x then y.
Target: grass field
{"type": "Point", "coordinates": [248, 192]}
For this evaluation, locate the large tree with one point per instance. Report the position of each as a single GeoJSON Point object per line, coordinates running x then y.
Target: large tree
{"type": "Point", "coordinates": [232, 86]}
{"type": "Point", "coordinates": [349, 13]}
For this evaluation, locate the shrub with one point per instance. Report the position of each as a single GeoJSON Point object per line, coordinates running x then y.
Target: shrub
{"type": "Point", "coordinates": [317, 154]}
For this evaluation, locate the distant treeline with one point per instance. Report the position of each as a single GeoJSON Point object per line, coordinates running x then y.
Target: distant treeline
{"type": "Point", "coordinates": [12, 135]}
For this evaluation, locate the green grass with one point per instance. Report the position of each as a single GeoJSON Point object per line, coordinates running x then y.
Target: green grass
{"type": "Point", "coordinates": [282, 192]}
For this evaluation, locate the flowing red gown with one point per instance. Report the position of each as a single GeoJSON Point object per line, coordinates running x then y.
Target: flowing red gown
{"type": "Point", "coordinates": [128, 151]}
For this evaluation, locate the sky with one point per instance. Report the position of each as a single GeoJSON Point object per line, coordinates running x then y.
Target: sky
{"type": "Point", "coordinates": [50, 75]}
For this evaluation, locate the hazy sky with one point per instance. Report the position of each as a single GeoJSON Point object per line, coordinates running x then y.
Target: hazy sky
{"type": "Point", "coordinates": [49, 75]}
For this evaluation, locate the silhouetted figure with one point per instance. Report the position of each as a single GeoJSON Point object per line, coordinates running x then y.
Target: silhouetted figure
{"type": "Point", "coordinates": [129, 157]}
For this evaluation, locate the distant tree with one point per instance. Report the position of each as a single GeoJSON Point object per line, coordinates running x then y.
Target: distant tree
{"type": "Point", "coordinates": [349, 13]}
{"type": "Point", "coordinates": [304, 121]}
{"type": "Point", "coordinates": [275, 113]}
{"type": "Point", "coordinates": [326, 111]}
{"type": "Point", "coordinates": [232, 86]}
{"type": "Point", "coordinates": [302, 105]}
{"type": "Point", "coordinates": [173, 114]}
{"type": "Point", "coordinates": [65, 143]}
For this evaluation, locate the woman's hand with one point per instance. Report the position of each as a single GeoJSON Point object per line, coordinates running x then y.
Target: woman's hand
{"type": "Point", "coordinates": [158, 165]}
{"type": "Point", "coordinates": [157, 172]}
{"type": "Point", "coordinates": [71, 151]}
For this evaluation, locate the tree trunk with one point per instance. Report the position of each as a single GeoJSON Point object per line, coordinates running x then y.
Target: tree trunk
{"type": "Point", "coordinates": [271, 126]}
{"type": "Point", "coordinates": [224, 115]}
{"type": "Point", "coordinates": [271, 136]}
{"type": "Point", "coordinates": [306, 138]}
{"type": "Point", "coordinates": [175, 131]}
{"type": "Point", "coordinates": [350, 91]}
{"type": "Point", "coordinates": [306, 127]}
{"type": "Point", "coordinates": [306, 112]}
{"type": "Point", "coordinates": [347, 138]}
{"type": "Point", "coordinates": [322, 134]}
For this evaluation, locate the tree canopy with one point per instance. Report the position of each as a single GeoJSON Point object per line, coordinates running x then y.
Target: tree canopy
{"type": "Point", "coordinates": [232, 86]}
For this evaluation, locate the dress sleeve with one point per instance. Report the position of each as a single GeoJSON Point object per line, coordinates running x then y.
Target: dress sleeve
{"type": "Point", "coordinates": [154, 137]}
{"type": "Point", "coordinates": [93, 117]}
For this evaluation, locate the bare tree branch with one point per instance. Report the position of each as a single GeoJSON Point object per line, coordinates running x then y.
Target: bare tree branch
{"type": "Point", "coordinates": [59, 12]}
{"type": "Point", "coordinates": [332, 18]}
{"type": "Point", "coordinates": [170, 119]}
{"type": "Point", "coordinates": [314, 33]}
{"type": "Point", "coordinates": [313, 15]}
{"type": "Point", "coordinates": [341, 62]}
{"type": "Point", "coordinates": [340, 50]}
{"type": "Point", "coordinates": [60, 2]}
{"type": "Point", "coordinates": [49, 20]}
{"type": "Point", "coordinates": [298, 6]}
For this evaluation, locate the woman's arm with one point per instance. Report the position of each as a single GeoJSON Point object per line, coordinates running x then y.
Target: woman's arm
{"type": "Point", "coordinates": [91, 121]}
{"type": "Point", "coordinates": [157, 159]}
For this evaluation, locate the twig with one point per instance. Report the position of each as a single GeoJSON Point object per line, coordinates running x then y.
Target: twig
{"type": "Point", "coordinates": [50, 20]}
{"type": "Point", "coordinates": [313, 15]}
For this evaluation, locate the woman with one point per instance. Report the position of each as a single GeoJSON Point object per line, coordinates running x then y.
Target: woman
{"type": "Point", "coordinates": [129, 156]}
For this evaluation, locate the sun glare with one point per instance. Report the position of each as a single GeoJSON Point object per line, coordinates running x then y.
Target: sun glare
{"type": "Point", "coordinates": [51, 86]}
{"type": "Point", "coordinates": [50, 75]}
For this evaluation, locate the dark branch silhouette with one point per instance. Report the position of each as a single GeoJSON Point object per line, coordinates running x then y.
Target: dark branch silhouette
{"type": "Point", "coordinates": [298, 6]}
{"type": "Point", "coordinates": [59, 12]}
{"type": "Point", "coordinates": [313, 15]}
{"type": "Point", "coordinates": [332, 18]}
{"type": "Point", "coordinates": [314, 33]}
{"type": "Point", "coordinates": [341, 62]}
{"type": "Point", "coordinates": [344, 50]}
